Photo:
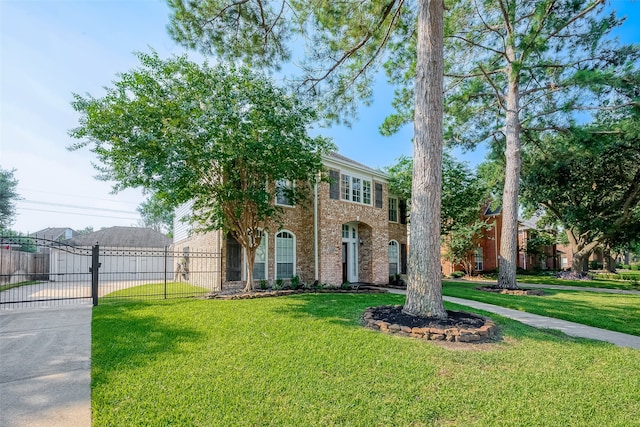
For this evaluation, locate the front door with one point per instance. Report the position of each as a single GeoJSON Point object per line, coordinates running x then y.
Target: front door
{"type": "Point", "coordinates": [350, 252]}
{"type": "Point", "coordinates": [234, 259]}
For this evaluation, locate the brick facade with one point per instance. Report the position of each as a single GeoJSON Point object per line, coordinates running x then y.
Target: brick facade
{"type": "Point", "coordinates": [369, 237]}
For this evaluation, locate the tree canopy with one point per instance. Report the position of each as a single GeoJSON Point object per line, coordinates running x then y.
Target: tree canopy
{"type": "Point", "coordinates": [219, 136]}
{"type": "Point", "coordinates": [8, 197]}
{"type": "Point", "coordinates": [588, 180]}
{"type": "Point", "coordinates": [515, 70]}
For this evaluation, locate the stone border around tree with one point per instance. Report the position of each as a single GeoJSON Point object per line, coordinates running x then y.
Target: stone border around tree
{"type": "Point", "coordinates": [487, 332]}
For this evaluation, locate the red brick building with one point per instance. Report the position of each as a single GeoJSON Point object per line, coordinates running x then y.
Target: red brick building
{"type": "Point", "coordinates": [487, 254]}
{"type": "Point", "coordinates": [353, 230]}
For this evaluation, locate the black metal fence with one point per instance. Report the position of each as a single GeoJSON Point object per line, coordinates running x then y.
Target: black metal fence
{"type": "Point", "coordinates": [44, 272]}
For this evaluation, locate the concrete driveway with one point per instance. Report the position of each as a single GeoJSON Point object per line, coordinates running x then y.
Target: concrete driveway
{"type": "Point", "coordinates": [45, 363]}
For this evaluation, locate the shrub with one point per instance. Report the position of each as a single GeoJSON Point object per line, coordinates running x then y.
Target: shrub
{"type": "Point", "coordinates": [346, 285]}
{"type": "Point", "coordinates": [278, 284]}
{"type": "Point", "coordinates": [457, 274]}
{"type": "Point", "coordinates": [569, 275]}
{"type": "Point", "coordinates": [635, 267]}
{"type": "Point", "coordinates": [263, 284]}
{"type": "Point", "coordinates": [295, 282]}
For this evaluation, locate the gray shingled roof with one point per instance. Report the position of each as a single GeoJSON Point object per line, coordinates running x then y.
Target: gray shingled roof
{"type": "Point", "coordinates": [130, 237]}
{"type": "Point", "coordinates": [53, 233]}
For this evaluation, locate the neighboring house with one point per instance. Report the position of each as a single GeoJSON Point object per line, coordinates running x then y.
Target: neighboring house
{"type": "Point", "coordinates": [352, 230]}
{"type": "Point", "coordinates": [54, 233]}
{"type": "Point", "coordinates": [125, 253]}
{"type": "Point", "coordinates": [44, 238]}
{"type": "Point", "coordinates": [487, 254]}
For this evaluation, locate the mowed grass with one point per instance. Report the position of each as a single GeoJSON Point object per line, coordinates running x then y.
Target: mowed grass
{"type": "Point", "coordinates": [171, 289]}
{"type": "Point", "coordinates": [615, 312]}
{"type": "Point", "coordinates": [305, 360]}
{"type": "Point", "coordinates": [598, 283]}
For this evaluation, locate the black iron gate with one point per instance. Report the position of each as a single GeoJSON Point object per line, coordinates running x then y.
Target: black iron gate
{"type": "Point", "coordinates": [44, 272]}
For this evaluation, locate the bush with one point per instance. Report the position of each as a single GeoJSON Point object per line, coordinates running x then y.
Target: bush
{"type": "Point", "coordinates": [295, 282]}
{"type": "Point", "coordinates": [457, 274]}
{"type": "Point", "coordinates": [346, 285]}
{"type": "Point", "coordinates": [569, 275]}
{"type": "Point", "coordinates": [595, 265]}
{"type": "Point", "coordinates": [263, 284]}
{"type": "Point", "coordinates": [278, 285]}
{"type": "Point", "coordinates": [635, 267]}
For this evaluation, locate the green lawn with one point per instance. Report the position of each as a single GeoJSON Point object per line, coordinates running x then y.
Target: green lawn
{"type": "Point", "coordinates": [304, 361]}
{"type": "Point", "coordinates": [172, 290]}
{"type": "Point", "coordinates": [8, 286]}
{"type": "Point", "coordinates": [615, 312]}
{"type": "Point", "coordinates": [599, 283]}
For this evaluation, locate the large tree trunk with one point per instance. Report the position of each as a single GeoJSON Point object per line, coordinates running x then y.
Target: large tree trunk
{"type": "Point", "coordinates": [580, 250]}
{"type": "Point", "coordinates": [509, 235]}
{"type": "Point", "coordinates": [608, 263]}
{"type": "Point", "coordinates": [424, 288]}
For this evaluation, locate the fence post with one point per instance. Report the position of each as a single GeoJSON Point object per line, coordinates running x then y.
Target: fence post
{"type": "Point", "coordinates": [165, 272]}
{"type": "Point", "coordinates": [95, 265]}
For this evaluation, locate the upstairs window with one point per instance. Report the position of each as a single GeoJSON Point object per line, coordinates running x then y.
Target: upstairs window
{"type": "Point", "coordinates": [393, 209]}
{"type": "Point", "coordinates": [282, 186]}
{"type": "Point", "coordinates": [355, 189]}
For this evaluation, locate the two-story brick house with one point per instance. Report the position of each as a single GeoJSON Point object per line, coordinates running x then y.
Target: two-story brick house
{"type": "Point", "coordinates": [352, 230]}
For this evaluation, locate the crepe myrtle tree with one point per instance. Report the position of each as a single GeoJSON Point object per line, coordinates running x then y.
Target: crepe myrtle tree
{"type": "Point", "coordinates": [220, 136]}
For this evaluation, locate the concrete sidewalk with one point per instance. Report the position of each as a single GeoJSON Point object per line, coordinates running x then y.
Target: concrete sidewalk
{"type": "Point", "coordinates": [45, 367]}
{"type": "Point", "coordinates": [557, 287]}
{"type": "Point", "coordinates": [569, 328]}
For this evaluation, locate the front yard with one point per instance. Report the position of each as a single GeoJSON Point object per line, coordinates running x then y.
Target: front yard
{"type": "Point", "coordinates": [616, 312]}
{"type": "Point", "coordinates": [305, 360]}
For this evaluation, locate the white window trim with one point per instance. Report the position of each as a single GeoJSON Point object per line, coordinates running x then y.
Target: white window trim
{"type": "Point", "coordinates": [362, 179]}
{"type": "Point", "coordinates": [275, 257]}
{"type": "Point", "coordinates": [397, 209]}
{"type": "Point", "coordinates": [397, 245]}
{"type": "Point", "coordinates": [265, 239]}
{"type": "Point", "coordinates": [478, 253]}
{"type": "Point", "coordinates": [290, 185]}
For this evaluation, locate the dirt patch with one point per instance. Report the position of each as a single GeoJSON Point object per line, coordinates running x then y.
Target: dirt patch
{"type": "Point", "coordinates": [459, 327]}
{"type": "Point", "coordinates": [495, 289]}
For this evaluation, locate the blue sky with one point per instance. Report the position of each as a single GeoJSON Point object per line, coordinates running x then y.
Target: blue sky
{"type": "Point", "coordinates": [51, 49]}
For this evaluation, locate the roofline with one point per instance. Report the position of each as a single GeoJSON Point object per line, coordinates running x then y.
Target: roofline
{"type": "Point", "coordinates": [354, 165]}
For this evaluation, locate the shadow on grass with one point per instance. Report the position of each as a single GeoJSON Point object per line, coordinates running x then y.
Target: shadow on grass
{"type": "Point", "coordinates": [128, 335]}
{"type": "Point", "coordinates": [346, 310]}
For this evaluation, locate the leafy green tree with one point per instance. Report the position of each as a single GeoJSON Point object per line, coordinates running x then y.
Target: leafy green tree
{"type": "Point", "coordinates": [514, 70]}
{"type": "Point", "coordinates": [463, 196]}
{"type": "Point", "coordinates": [8, 197]}
{"type": "Point", "coordinates": [589, 181]}
{"type": "Point", "coordinates": [156, 215]}
{"type": "Point", "coordinates": [86, 230]}
{"type": "Point", "coordinates": [13, 238]}
{"type": "Point", "coordinates": [216, 135]}
{"type": "Point", "coordinates": [346, 43]}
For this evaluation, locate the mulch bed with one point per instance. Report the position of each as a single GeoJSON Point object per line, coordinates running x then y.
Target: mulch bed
{"type": "Point", "coordinates": [458, 327]}
{"type": "Point", "coordinates": [522, 291]}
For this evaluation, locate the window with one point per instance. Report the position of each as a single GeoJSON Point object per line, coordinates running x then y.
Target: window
{"type": "Point", "coordinates": [345, 231]}
{"type": "Point", "coordinates": [378, 195]}
{"type": "Point", "coordinates": [282, 187]}
{"type": "Point", "coordinates": [334, 185]}
{"type": "Point", "coordinates": [356, 189]}
{"type": "Point", "coordinates": [479, 265]}
{"type": "Point", "coordinates": [285, 255]}
{"type": "Point", "coordinates": [260, 263]}
{"type": "Point", "coordinates": [393, 209]}
{"type": "Point", "coordinates": [346, 187]}
{"type": "Point", "coordinates": [393, 258]}
{"type": "Point", "coordinates": [366, 192]}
